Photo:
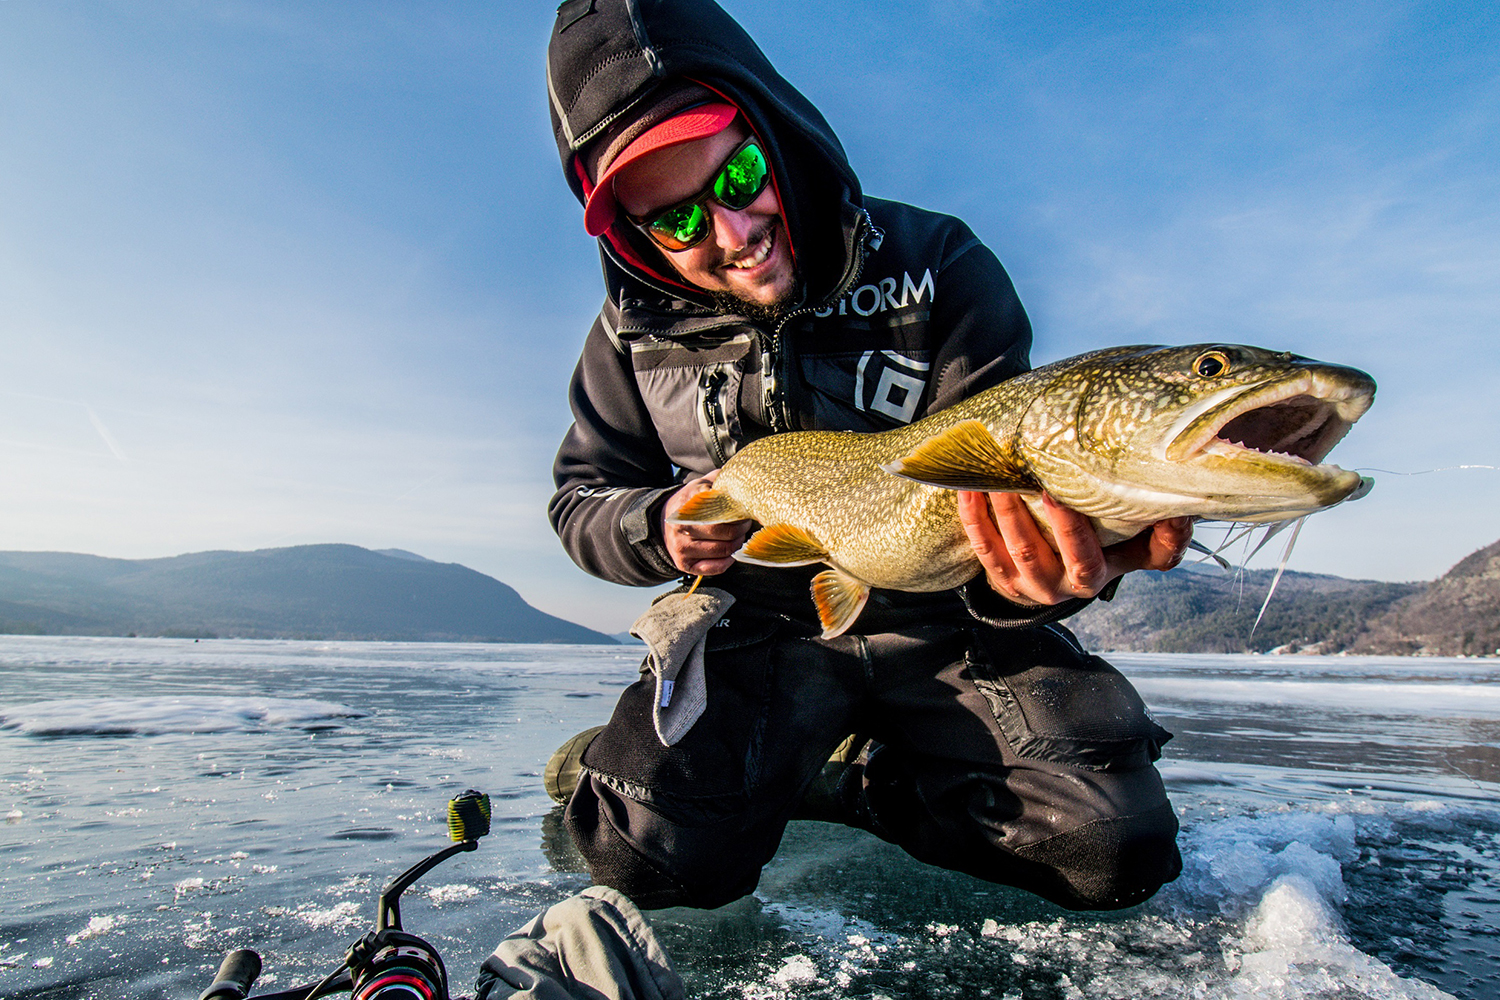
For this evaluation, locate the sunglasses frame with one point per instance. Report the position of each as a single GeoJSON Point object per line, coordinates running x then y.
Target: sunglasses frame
{"type": "Point", "coordinates": [705, 195]}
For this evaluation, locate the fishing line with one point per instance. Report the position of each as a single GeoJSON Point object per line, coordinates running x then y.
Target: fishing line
{"type": "Point", "coordinates": [1428, 472]}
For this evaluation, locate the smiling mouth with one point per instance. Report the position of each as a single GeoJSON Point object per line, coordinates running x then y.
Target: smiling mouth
{"type": "Point", "coordinates": [756, 257]}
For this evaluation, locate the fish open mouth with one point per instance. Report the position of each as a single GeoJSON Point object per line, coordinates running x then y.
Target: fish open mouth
{"type": "Point", "coordinates": [1296, 420]}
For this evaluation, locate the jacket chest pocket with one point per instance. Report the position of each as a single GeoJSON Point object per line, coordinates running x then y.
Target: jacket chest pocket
{"type": "Point", "coordinates": [696, 412]}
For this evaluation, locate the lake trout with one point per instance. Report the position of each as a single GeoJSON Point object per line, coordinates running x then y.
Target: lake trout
{"type": "Point", "coordinates": [1127, 435]}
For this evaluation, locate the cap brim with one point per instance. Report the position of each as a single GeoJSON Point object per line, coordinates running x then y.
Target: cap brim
{"type": "Point", "coordinates": [695, 123]}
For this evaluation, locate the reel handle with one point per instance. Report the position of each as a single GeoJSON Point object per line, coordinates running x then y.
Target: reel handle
{"type": "Point", "coordinates": [235, 976]}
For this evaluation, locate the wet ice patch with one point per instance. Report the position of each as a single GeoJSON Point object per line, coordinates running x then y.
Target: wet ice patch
{"type": "Point", "coordinates": [1256, 915]}
{"type": "Point", "coordinates": [154, 716]}
{"type": "Point", "coordinates": [339, 916]}
{"type": "Point", "coordinates": [445, 894]}
{"type": "Point", "coordinates": [1380, 698]}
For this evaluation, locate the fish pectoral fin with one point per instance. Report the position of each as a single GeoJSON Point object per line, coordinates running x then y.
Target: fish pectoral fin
{"type": "Point", "coordinates": [839, 599]}
{"type": "Point", "coordinates": [966, 457]}
{"type": "Point", "coordinates": [709, 507]}
{"type": "Point", "coordinates": [782, 545]}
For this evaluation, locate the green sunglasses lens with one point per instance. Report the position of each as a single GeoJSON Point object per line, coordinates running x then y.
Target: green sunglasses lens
{"type": "Point", "coordinates": [742, 179]}
{"type": "Point", "coordinates": [683, 225]}
{"type": "Point", "coordinates": [739, 182]}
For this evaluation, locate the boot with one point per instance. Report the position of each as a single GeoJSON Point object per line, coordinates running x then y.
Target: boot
{"type": "Point", "coordinates": [836, 795]}
{"type": "Point", "coordinates": [560, 776]}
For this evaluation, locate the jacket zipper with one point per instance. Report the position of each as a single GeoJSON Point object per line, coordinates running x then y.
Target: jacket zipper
{"type": "Point", "coordinates": [777, 364]}
{"type": "Point", "coordinates": [713, 413]}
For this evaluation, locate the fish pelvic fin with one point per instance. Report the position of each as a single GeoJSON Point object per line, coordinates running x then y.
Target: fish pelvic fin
{"type": "Point", "coordinates": [782, 545]}
{"type": "Point", "coordinates": [839, 599]}
{"type": "Point", "coordinates": [966, 457]}
{"type": "Point", "coordinates": [709, 507]}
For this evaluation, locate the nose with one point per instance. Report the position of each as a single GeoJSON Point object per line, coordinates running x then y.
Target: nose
{"type": "Point", "coordinates": [731, 227]}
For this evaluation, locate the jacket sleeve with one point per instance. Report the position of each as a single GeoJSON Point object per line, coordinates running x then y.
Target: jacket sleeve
{"type": "Point", "coordinates": [612, 474]}
{"type": "Point", "coordinates": [980, 330]}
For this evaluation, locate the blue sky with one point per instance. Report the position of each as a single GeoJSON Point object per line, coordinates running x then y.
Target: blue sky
{"type": "Point", "coordinates": [274, 273]}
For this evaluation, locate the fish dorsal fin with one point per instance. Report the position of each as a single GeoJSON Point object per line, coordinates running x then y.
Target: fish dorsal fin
{"type": "Point", "coordinates": [839, 598]}
{"type": "Point", "coordinates": [709, 507]}
{"type": "Point", "coordinates": [966, 457]}
{"type": "Point", "coordinates": [782, 545]}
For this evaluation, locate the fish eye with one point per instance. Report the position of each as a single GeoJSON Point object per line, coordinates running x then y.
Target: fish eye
{"type": "Point", "coordinates": [1211, 364]}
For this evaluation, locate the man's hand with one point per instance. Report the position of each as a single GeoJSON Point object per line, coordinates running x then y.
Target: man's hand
{"type": "Point", "coordinates": [1023, 568]}
{"type": "Point", "coordinates": [700, 549]}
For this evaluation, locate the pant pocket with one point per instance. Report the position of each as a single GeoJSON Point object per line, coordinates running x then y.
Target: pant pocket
{"type": "Point", "coordinates": [1056, 703]}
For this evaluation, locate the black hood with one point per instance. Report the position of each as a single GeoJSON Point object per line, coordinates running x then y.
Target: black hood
{"type": "Point", "coordinates": [607, 57]}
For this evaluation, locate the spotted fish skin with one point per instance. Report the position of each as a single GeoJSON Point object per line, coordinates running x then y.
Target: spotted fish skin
{"type": "Point", "coordinates": [1126, 435]}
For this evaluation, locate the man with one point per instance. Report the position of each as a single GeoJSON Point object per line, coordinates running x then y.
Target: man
{"type": "Point", "coordinates": [751, 289]}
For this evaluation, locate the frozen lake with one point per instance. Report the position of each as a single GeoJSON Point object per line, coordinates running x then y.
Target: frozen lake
{"type": "Point", "coordinates": [167, 800]}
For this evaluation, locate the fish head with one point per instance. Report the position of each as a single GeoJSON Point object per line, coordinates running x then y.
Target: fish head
{"type": "Point", "coordinates": [1224, 431]}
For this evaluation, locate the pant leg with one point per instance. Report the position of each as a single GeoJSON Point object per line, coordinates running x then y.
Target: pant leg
{"type": "Point", "coordinates": [694, 823]}
{"type": "Point", "coordinates": [1016, 757]}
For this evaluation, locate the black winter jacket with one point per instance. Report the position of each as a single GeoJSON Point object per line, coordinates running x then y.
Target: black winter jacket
{"type": "Point", "coordinates": [901, 312]}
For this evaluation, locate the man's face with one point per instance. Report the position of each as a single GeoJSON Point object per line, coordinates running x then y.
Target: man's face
{"type": "Point", "coordinates": [746, 254]}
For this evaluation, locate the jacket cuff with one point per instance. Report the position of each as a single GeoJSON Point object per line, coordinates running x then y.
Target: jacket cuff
{"type": "Point", "coordinates": [992, 609]}
{"type": "Point", "coordinates": [640, 524]}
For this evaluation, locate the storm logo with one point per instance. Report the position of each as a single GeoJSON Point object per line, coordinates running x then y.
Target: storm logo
{"type": "Point", "coordinates": [881, 296]}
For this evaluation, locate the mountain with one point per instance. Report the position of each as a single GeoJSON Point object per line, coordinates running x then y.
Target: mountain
{"type": "Point", "coordinates": [346, 592]}
{"type": "Point", "coordinates": [1459, 614]}
{"type": "Point", "coordinates": [304, 592]}
{"type": "Point", "coordinates": [1212, 611]}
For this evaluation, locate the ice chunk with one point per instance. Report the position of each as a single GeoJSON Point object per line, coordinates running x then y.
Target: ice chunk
{"type": "Point", "coordinates": [1294, 948]}
{"type": "Point", "coordinates": [798, 970]}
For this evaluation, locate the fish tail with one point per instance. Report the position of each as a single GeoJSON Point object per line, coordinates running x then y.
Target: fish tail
{"type": "Point", "coordinates": [709, 507]}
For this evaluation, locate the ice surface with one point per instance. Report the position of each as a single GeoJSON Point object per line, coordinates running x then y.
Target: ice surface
{"type": "Point", "coordinates": [1306, 877]}
{"type": "Point", "coordinates": [153, 716]}
{"type": "Point", "coordinates": [1462, 700]}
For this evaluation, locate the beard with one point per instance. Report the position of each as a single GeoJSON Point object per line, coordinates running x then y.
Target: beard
{"type": "Point", "coordinates": [766, 313]}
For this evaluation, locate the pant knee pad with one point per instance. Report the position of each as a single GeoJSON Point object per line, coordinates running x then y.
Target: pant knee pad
{"type": "Point", "coordinates": [1110, 863]}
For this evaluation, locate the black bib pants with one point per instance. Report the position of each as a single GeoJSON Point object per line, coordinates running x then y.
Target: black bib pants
{"type": "Point", "coordinates": [1010, 754]}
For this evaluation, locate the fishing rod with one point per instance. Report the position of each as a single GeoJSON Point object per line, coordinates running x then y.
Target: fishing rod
{"type": "Point", "coordinates": [387, 963]}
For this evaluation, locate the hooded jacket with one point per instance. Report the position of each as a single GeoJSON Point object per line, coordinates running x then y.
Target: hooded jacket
{"type": "Point", "coordinates": [899, 311]}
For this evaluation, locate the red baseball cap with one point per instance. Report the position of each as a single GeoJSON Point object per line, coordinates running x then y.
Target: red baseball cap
{"type": "Point", "coordinates": [698, 122]}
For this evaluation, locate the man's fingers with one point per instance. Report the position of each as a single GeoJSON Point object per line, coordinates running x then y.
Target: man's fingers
{"type": "Point", "coordinates": [979, 525]}
{"type": "Point", "coordinates": [1032, 557]}
{"type": "Point", "coordinates": [1085, 568]}
{"type": "Point", "coordinates": [700, 549]}
{"type": "Point", "coordinates": [1160, 547]}
{"type": "Point", "coordinates": [1169, 542]}
{"type": "Point", "coordinates": [709, 548]}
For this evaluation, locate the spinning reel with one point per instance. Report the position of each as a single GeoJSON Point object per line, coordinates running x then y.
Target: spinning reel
{"type": "Point", "coordinates": [387, 963]}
